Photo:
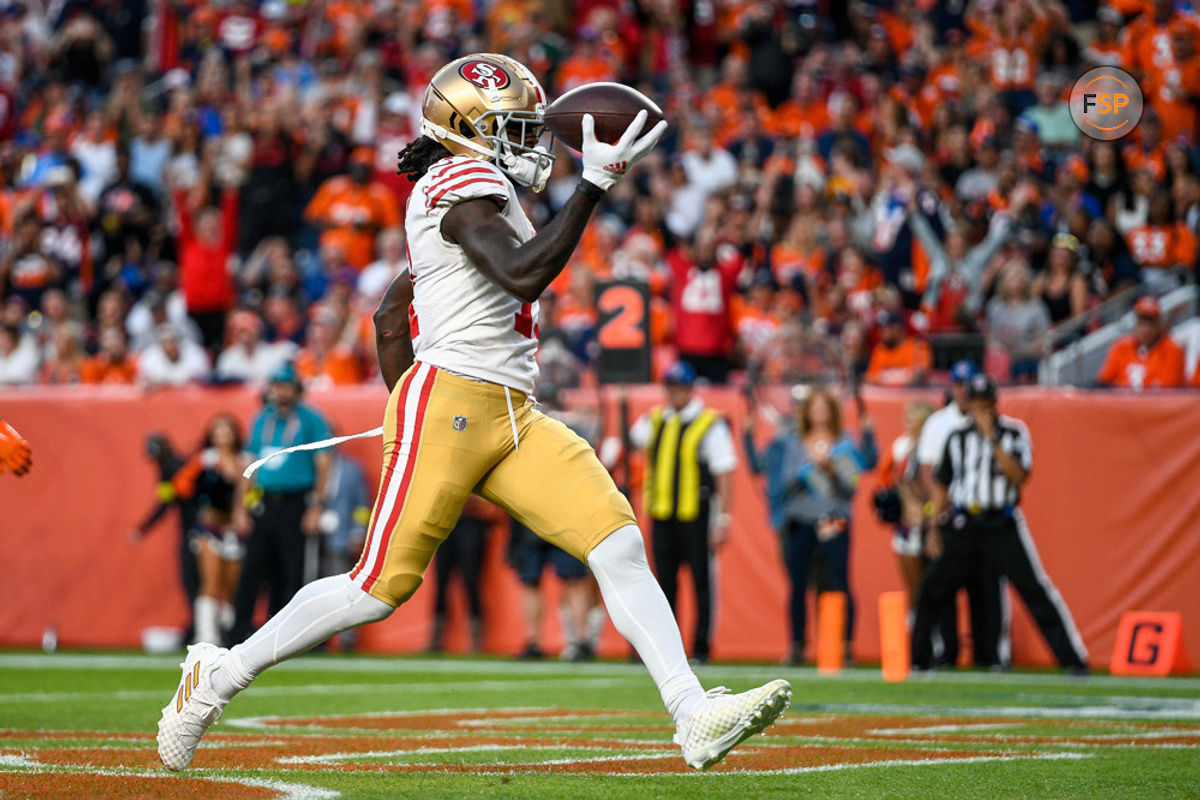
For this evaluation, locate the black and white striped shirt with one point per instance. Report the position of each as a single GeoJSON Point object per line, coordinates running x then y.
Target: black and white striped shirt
{"type": "Point", "coordinates": [968, 467]}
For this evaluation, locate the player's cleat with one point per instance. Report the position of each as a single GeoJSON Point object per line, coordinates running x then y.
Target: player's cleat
{"type": "Point", "coordinates": [193, 708]}
{"type": "Point", "coordinates": [721, 721]}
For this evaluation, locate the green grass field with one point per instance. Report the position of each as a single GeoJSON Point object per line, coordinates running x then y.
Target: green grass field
{"type": "Point", "coordinates": [82, 726]}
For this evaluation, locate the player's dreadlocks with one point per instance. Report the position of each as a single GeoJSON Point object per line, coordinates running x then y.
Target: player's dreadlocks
{"type": "Point", "coordinates": [420, 154]}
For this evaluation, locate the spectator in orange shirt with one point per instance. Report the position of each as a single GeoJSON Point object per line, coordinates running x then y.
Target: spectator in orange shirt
{"type": "Point", "coordinates": [114, 363]}
{"type": "Point", "coordinates": [898, 359]}
{"type": "Point", "coordinates": [1171, 91]}
{"type": "Point", "coordinates": [1163, 242]}
{"type": "Point", "coordinates": [325, 361]}
{"type": "Point", "coordinates": [586, 64]}
{"type": "Point", "coordinates": [352, 209]}
{"type": "Point", "coordinates": [1147, 46]}
{"type": "Point", "coordinates": [1146, 358]}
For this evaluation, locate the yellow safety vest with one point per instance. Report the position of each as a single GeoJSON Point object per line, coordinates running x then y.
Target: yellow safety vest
{"type": "Point", "coordinates": [673, 469]}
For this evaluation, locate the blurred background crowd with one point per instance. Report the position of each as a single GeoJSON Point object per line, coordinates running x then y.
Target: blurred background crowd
{"type": "Point", "coordinates": [201, 191]}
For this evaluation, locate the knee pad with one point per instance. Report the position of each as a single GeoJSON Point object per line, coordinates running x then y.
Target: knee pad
{"type": "Point", "coordinates": [623, 549]}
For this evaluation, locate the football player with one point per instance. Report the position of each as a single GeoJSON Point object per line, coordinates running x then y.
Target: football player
{"type": "Point", "coordinates": [457, 338]}
{"type": "Point", "coordinates": [15, 453]}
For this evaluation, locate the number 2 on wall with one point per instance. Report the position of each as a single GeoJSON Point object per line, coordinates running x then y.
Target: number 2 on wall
{"type": "Point", "coordinates": [625, 330]}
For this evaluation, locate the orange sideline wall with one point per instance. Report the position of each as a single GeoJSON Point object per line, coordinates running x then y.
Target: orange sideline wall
{"type": "Point", "coordinates": [1113, 504]}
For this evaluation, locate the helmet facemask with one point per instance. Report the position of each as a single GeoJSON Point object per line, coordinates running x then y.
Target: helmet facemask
{"type": "Point", "coordinates": [515, 143]}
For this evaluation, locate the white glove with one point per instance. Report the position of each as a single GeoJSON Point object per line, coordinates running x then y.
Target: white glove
{"type": "Point", "coordinates": [605, 164]}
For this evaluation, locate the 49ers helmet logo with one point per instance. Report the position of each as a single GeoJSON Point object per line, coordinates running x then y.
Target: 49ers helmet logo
{"type": "Point", "coordinates": [485, 74]}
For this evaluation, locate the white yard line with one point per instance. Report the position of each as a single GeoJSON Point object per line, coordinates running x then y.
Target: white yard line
{"type": "Point", "coordinates": [900, 762]}
{"type": "Point", "coordinates": [1151, 708]}
{"type": "Point", "coordinates": [333, 758]}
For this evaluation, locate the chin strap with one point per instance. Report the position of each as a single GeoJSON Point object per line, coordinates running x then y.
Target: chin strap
{"type": "Point", "coordinates": [435, 131]}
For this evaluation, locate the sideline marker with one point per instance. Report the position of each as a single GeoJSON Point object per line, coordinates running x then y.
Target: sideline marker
{"type": "Point", "coordinates": [1150, 643]}
{"type": "Point", "coordinates": [831, 631]}
{"type": "Point", "coordinates": [893, 635]}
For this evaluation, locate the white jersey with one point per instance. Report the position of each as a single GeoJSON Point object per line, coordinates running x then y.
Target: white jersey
{"type": "Point", "coordinates": [936, 431]}
{"type": "Point", "coordinates": [462, 321]}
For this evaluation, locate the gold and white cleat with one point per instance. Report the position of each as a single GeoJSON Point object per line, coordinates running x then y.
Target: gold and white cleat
{"type": "Point", "coordinates": [721, 721]}
{"type": "Point", "coordinates": [193, 708]}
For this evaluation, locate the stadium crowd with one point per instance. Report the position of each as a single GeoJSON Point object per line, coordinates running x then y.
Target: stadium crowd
{"type": "Point", "coordinates": [202, 191]}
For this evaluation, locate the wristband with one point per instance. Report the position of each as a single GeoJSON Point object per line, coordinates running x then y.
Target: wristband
{"type": "Point", "coordinates": [927, 509]}
{"type": "Point", "coordinates": [590, 190]}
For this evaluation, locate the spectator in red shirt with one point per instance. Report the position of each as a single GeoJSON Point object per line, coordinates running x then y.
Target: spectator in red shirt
{"type": "Point", "coordinates": [702, 287]}
{"type": "Point", "coordinates": [207, 243]}
{"type": "Point", "coordinates": [1146, 358]}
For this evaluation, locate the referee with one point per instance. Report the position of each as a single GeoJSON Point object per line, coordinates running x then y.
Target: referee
{"type": "Point", "coordinates": [977, 488]}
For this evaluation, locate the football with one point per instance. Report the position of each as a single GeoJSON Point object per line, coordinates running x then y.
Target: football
{"type": "Point", "coordinates": [612, 105]}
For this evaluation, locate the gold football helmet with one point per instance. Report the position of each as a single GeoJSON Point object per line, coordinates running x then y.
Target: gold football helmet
{"type": "Point", "coordinates": [490, 106]}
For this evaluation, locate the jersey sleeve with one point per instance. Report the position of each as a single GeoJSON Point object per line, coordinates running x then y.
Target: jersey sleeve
{"type": "Point", "coordinates": [1022, 445]}
{"type": "Point", "coordinates": [930, 442]}
{"type": "Point", "coordinates": [718, 449]}
{"type": "Point", "coordinates": [459, 179]}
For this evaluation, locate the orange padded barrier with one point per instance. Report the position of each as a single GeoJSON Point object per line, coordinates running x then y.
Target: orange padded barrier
{"type": "Point", "coordinates": [894, 652]}
{"type": "Point", "coordinates": [1112, 495]}
{"type": "Point", "coordinates": [1150, 643]}
{"type": "Point", "coordinates": [831, 631]}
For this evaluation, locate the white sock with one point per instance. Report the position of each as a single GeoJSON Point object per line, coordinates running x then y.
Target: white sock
{"type": "Point", "coordinates": [640, 612]}
{"type": "Point", "coordinates": [227, 616]}
{"type": "Point", "coordinates": [320, 610]}
{"type": "Point", "coordinates": [595, 623]}
{"type": "Point", "coordinates": [206, 614]}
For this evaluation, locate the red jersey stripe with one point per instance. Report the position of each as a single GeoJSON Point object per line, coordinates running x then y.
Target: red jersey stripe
{"type": "Point", "coordinates": [464, 163]}
{"type": "Point", "coordinates": [433, 201]}
{"type": "Point", "coordinates": [388, 473]}
{"type": "Point", "coordinates": [454, 176]}
{"type": "Point", "coordinates": [402, 495]}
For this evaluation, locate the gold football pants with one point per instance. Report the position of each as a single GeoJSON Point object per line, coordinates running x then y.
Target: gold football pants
{"type": "Point", "coordinates": [445, 437]}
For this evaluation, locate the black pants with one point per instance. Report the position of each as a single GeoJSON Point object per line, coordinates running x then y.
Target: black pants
{"type": "Point", "coordinates": [189, 570]}
{"type": "Point", "coordinates": [799, 543]}
{"type": "Point", "coordinates": [677, 543]}
{"type": "Point", "coordinates": [274, 558]}
{"type": "Point", "coordinates": [989, 624]}
{"type": "Point", "coordinates": [462, 552]}
{"type": "Point", "coordinates": [1004, 543]}
{"type": "Point", "coordinates": [212, 328]}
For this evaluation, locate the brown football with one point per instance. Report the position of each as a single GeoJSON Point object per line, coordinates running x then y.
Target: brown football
{"type": "Point", "coordinates": [612, 105]}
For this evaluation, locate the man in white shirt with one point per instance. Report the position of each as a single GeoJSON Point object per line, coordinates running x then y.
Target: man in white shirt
{"type": "Point", "coordinates": [249, 359]}
{"type": "Point", "coordinates": [690, 457]}
{"type": "Point", "coordinates": [18, 357]}
{"type": "Point", "coordinates": [173, 360]}
{"type": "Point", "coordinates": [987, 592]}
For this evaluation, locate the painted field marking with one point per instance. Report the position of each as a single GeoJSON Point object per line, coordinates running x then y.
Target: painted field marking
{"type": "Point", "coordinates": [286, 789]}
{"type": "Point", "coordinates": [899, 762]}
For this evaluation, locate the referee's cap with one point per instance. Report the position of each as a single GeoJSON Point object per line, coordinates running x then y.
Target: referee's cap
{"type": "Point", "coordinates": [963, 371]}
{"type": "Point", "coordinates": [981, 386]}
